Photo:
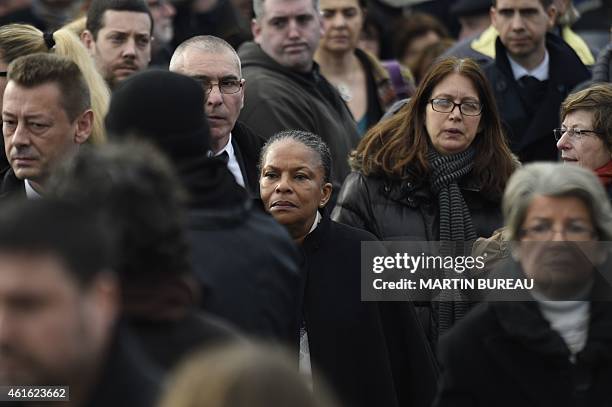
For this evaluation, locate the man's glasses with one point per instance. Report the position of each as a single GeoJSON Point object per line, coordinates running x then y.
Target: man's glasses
{"type": "Point", "coordinates": [226, 86]}
{"type": "Point", "coordinates": [446, 106]}
{"type": "Point", "coordinates": [574, 134]}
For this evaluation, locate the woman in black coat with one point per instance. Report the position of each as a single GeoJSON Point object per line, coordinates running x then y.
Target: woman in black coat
{"type": "Point", "coordinates": [372, 354]}
{"type": "Point", "coordinates": [555, 348]}
{"type": "Point", "coordinates": [435, 171]}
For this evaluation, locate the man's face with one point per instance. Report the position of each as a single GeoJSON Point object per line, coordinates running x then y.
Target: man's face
{"type": "Point", "coordinates": [37, 130]}
{"type": "Point", "coordinates": [289, 32]}
{"type": "Point", "coordinates": [522, 25]}
{"type": "Point", "coordinates": [163, 13]}
{"type": "Point", "coordinates": [51, 328]}
{"type": "Point", "coordinates": [222, 109]}
{"type": "Point", "coordinates": [123, 45]}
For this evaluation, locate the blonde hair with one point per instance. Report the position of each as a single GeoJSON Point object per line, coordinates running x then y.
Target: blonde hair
{"type": "Point", "coordinates": [17, 40]}
{"type": "Point", "coordinates": [240, 375]}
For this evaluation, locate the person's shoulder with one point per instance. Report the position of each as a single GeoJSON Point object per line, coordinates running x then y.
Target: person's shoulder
{"type": "Point", "coordinates": [473, 329]}
{"type": "Point", "coordinates": [351, 233]}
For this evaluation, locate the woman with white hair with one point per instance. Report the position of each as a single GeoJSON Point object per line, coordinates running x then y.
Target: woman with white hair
{"type": "Point", "coordinates": [556, 348]}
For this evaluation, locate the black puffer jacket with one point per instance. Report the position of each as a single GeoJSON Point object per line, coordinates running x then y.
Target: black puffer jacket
{"type": "Point", "coordinates": [602, 71]}
{"type": "Point", "coordinates": [407, 211]}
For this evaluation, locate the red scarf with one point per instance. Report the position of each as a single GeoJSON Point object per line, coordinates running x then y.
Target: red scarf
{"type": "Point", "coordinates": [605, 173]}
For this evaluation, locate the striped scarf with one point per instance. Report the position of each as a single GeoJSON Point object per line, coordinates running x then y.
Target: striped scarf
{"type": "Point", "coordinates": [455, 223]}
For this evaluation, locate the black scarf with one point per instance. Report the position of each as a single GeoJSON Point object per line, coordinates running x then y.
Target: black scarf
{"type": "Point", "coordinates": [455, 224]}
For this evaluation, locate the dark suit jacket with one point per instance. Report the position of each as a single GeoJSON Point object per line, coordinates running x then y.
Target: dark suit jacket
{"type": "Point", "coordinates": [373, 354]}
{"type": "Point", "coordinates": [11, 186]}
{"type": "Point", "coordinates": [247, 146]}
{"type": "Point", "coordinates": [531, 136]}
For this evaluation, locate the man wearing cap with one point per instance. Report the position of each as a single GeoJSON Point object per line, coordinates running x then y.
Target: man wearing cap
{"type": "Point", "coordinates": [286, 90]}
{"type": "Point", "coordinates": [215, 64]}
{"type": "Point", "coordinates": [244, 261]}
{"type": "Point", "coordinates": [46, 116]}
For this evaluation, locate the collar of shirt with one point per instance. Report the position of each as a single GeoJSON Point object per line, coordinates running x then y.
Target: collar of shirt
{"type": "Point", "coordinates": [540, 72]}
{"type": "Point", "coordinates": [30, 191]}
{"type": "Point", "coordinates": [315, 223]}
{"type": "Point", "coordinates": [232, 163]}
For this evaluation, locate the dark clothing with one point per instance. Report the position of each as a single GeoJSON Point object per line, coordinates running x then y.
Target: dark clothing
{"type": "Point", "coordinates": [25, 16]}
{"type": "Point", "coordinates": [247, 146]}
{"type": "Point", "coordinates": [280, 99]}
{"type": "Point", "coordinates": [506, 354]}
{"type": "Point", "coordinates": [408, 211]}
{"type": "Point", "coordinates": [161, 58]}
{"type": "Point", "coordinates": [372, 354]}
{"type": "Point", "coordinates": [128, 378]}
{"type": "Point", "coordinates": [222, 21]}
{"type": "Point", "coordinates": [529, 114]}
{"type": "Point", "coordinates": [247, 267]}
{"type": "Point", "coordinates": [167, 342]}
{"type": "Point", "coordinates": [11, 186]}
{"type": "Point", "coordinates": [602, 71]}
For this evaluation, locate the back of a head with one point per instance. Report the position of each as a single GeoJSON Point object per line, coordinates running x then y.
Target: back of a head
{"type": "Point", "coordinates": [241, 376]}
{"type": "Point", "coordinates": [50, 226]}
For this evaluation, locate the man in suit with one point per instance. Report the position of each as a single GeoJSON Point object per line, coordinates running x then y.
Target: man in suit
{"type": "Point", "coordinates": [46, 116]}
{"type": "Point", "coordinates": [215, 64]}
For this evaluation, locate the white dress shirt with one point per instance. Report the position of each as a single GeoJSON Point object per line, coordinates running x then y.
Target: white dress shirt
{"type": "Point", "coordinates": [232, 163]}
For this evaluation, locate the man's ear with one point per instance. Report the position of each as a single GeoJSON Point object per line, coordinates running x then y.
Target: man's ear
{"type": "Point", "coordinates": [493, 15]}
{"type": "Point", "coordinates": [84, 127]}
{"type": "Point", "coordinates": [88, 40]}
{"type": "Point", "coordinates": [242, 93]}
{"type": "Point", "coordinates": [551, 13]}
{"type": "Point", "coordinates": [256, 30]}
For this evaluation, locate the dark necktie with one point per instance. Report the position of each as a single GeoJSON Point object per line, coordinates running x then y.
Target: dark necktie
{"type": "Point", "coordinates": [529, 81]}
{"type": "Point", "coordinates": [223, 157]}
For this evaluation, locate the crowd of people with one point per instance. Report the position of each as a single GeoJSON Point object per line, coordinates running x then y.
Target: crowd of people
{"type": "Point", "coordinates": [187, 188]}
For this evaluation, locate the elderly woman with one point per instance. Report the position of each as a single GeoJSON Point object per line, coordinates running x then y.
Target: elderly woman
{"type": "Point", "coordinates": [361, 80]}
{"type": "Point", "coordinates": [547, 351]}
{"type": "Point", "coordinates": [435, 171]}
{"type": "Point", "coordinates": [355, 344]}
{"type": "Point", "coordinates": [585, 136]}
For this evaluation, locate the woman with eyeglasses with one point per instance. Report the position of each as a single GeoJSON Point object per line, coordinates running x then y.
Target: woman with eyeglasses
{"type": "Point", "coordinates": [435, 171]}
{"type": "Point", "coordinates": [552, 345]}
{"type": "Point", "coordinates": [585, 136]}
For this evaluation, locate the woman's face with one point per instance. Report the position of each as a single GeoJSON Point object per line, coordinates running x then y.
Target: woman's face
{"type": "Point", "coordinates": [416, 46]}
{"type": "Point", "coordinates": [453, 132]}
{"type": "Point", "coordinates": [342, 21]}
{"type": "Point", "coordinates": [292, 185]}
{"type": "Point", "coordinates": [588, 151]}
{"type": "Point", "coordinates": [557, 247]}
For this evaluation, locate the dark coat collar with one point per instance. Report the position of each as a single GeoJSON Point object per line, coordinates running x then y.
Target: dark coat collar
{"type": "Point", "coordinates": [11, 186]}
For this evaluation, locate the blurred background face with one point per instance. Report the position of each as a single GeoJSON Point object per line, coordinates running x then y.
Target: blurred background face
{"type": "Point", "coordinates": [589, 150]}
{"type": "Point", "coordinates": [342, 22]}
{"type": "Point", "coordinates": [554, 247]}
{"type": "Point", "coordinates": [292, 185]}
{"type": "Point", "coordinates": [46, 321]}
{"type": "Point", "coordinates": [3, 69]}
{"type": "Point", "coordinates": [163, 12]}
{"type": "Point", "coordinates": [414, 48]}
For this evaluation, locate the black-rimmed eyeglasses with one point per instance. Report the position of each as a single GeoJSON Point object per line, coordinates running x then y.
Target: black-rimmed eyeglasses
{"type": "Point", "coordinates": [574, 134]}
{"type": "Point", "coordinates": [441, 105]}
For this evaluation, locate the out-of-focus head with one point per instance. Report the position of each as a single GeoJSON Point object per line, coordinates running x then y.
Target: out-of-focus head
{"type": "Point", "coordinates": [118, 37]}
{"type": "Point", "coordinates": [58, 296]}
{"type": "Point", "coordinates": [416, 33]}
{"type": "Point", "coordinates": [214, 63]}
{"type": "Point", "coordinates": [288, 31]}
{"type": "Point", "coordinates": [585, 136]}
{"type": "Point", "coordinates": [370, 37]}
{"type": "Point", "coordinates": [473, 16]}
{"type": "Point", "coordinates": [163, 12]}
{"type": "Point", "coordinates": [46, 114]}
{"type": "Point", "coordinates": [17, 40]}
{"type": "Point", "coordinates": [241, 376]}
{"type": "Point", "coordinates": [295, 173]}
{"type": "Point", "coordinates": [556, 212]}
{"type": "Point", "coordinates": [522, 26]}
{"type": "Point", "coordinates": [343, 23]}
{"type": "Point", "coordinates": [428, 57]}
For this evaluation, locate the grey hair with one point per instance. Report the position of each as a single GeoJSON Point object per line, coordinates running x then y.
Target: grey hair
{"type": "Point", "coordinates": [310, 140]}
{"type": "Point", "coordinates": [555, 180]}
{"type": "Point", "coordinates": [258, 8]}
{"type": "Point", "coordinates": [203, 43]}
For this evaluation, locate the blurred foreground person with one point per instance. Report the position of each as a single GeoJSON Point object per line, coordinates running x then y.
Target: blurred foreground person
{"type": "Point", "coordinates": [241, 376]}
{"type": "Point", "coordinates": [295, 187]}
{"type": "Point", "coordinates": [131, 184]}
{"type": "Point", "coordinates": [585, 135]}
{"type": "Point", "coordinates": [59, 300]}
{"type": "Point", "coordinates": [554, 348]}
{"type": "Point", "coordinates": [245, 263]}
{"type": "Point", "coordinates": [435, 171]}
